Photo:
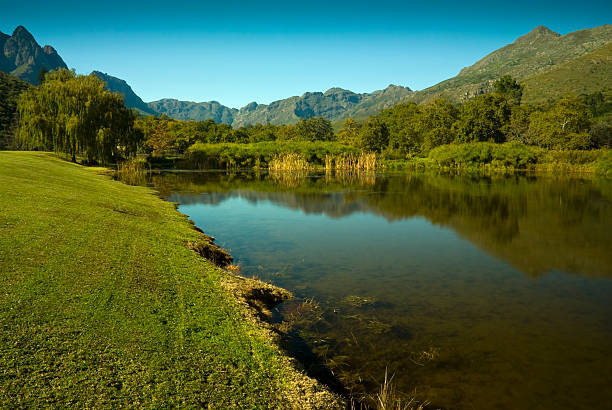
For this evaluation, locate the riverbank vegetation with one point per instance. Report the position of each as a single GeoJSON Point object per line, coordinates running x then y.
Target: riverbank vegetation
{"type": "Point", "coordinates": [491, 130]}
{"type": "Point", "coordinates": [103, 304]}
{"type": "Point", "coordinates": [73, 114]}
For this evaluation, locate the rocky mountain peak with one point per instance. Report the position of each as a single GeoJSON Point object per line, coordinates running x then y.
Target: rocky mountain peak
{"type": "Point", "coordinates": [21, 56]}
{"type": "Point", "coordinates": [22, 33]}
{"type": "Point", "coordinates": [49, 50]}
{"type": "Point", "coordinates": [537, 33]}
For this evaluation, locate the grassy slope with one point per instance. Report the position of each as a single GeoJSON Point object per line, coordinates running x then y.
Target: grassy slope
{"type": "Point", "coordinates": [102, 304]}
{"type": "Point", "coordinates": [586, 74]}
{"type": "Point", "coordinates": [535, 53]}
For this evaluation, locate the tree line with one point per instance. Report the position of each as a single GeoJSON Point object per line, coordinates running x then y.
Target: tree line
{"type": "Point", "coordinates": [75, 115]}
{"type": "Point", "coordinates": [410, 129]}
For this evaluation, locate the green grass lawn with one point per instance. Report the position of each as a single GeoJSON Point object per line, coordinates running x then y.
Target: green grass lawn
{"type": "Point", "coordinates": [101, 303]}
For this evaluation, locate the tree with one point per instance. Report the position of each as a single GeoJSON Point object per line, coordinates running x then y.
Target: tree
{"type": "Point", "coordinates": [349, 134]}
{"type": "Point", "coordinates": [75, 115]}
{"type": "Point", "coordinates": [314, 129]}
{"type": "Point", "coordinates": [484, 118]}
{"type": "Point", "coordinates": [374, 135]}
{"type": "Point", "coordinates": [402, 122]}
{"type": "Point", "coordinates": [436, 123]}
{"type": "Point", "coordinates": [601, 134]}
{"type": "Point", "coordinates": [565, 126]}
{"type": "Point", "coordinates": [159, 141]}
{"type": "Point", "coordinates": [41, 75]}
{"type": "Point", "coordinates": [518, 129]}
{"type": "Point", "coordinates": [510, 89]}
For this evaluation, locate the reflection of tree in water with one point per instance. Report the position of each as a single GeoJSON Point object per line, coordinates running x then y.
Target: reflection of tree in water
{"type": "Point", "coordinates": [536, 224]}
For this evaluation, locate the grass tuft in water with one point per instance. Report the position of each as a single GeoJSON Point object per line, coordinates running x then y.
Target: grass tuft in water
{"type": "Point", "coordinates": [389, 399]}
{"type": "Point", "coordinates": [132, 172]}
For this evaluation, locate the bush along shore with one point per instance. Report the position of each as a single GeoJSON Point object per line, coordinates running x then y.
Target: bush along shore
{"type": "Point", "coordinates": [466, 157]}
{"type": "Point", "coordinates": [107, 301]}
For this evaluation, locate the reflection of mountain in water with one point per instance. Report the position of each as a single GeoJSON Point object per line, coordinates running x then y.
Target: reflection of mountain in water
{"type": "Point", "coordinates": [536, 225]}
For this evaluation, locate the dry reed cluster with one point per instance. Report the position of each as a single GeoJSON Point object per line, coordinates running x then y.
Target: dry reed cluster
{"type": "Point", "coordinates": [350, 162]}
{"type": "Point", "coordinates": [289, 162]}
{"type": "Point", "coordinates": [132, 172]}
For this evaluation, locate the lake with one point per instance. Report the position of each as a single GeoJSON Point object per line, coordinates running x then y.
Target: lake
{"type": "Point", "coordinates": [474, 292]}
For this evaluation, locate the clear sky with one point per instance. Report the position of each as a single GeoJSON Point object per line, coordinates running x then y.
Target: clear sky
{"type": "Point", "coordinates": [235, 52]}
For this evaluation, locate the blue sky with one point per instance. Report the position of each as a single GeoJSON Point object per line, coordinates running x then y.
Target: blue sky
{"type": "Point", "coordinates": [235, 52]}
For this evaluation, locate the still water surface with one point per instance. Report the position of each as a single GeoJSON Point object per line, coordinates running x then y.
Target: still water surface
{"type": "Point", "coordinates": [476, 293]}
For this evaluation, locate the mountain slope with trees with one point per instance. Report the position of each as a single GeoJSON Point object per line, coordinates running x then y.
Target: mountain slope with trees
{"type": "Point", "coordinates": [539, 51]}
{"type": "Point", "coordinates": [114, 84]}
{"type": "Point", "coordinates": [193, 111]}
{"type": "Point", "coordinates": [586, 74]}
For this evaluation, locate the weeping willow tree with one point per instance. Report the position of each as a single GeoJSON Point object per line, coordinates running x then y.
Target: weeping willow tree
{"type": "Point", "coordinates": [75, 115]}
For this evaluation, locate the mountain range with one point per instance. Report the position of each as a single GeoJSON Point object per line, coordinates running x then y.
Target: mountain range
{"type": "Point", "coordinates": [22, 57]}
{"type": "Point", "coordinates": [548, 64]}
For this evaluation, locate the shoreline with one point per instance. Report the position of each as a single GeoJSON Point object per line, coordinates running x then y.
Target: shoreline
{"type": "Point", "coordinates": [107, 301]}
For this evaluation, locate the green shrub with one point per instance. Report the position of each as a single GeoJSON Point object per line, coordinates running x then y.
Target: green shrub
{"type": "Point", "coordinates": [258, 155]}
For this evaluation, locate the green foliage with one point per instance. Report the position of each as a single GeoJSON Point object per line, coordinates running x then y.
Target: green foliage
{"type": "Point", "coordinates": [41, 75]}
{"type": "Point", "coordinates": [509, 155]}
{"type": "Point", "coordinates": [105, 306]}
{"type": "Point", "coordinates": [601, 134]}
{"type": "Point", "coordinates": [402, 125]}
{"type": "Point", "coordinates": [10, 89]}
{"type": "Point", "coordinates": [74, 115]}
{"type": "Point", "coordinates": [518, 129]}
{"type": "Point", "coordinates": [374, 135]}
{"type": "Point", "coordinates": [256, 155]}
{"type": "Point", "coordinates": [437, 121]}
{"type": "Point", "coordinates": [507, 87]}
{"type": "Point", "coordinates": [404, 131]}
{"type": "Point", "coordinates": [484, 118]}
{"type": "Point", "coordinates": [587, 74]}
{"type": "Point", "coordinates": [314, 129]}
{"type": "Point", "coordinates": [349, 133]}
{"type": "Point", "coordinates": [565, 126]}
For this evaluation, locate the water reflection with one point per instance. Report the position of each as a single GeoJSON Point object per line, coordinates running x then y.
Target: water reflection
{"type": "Point", "coordinates": [421, 274]}
{"type": "Point", "coordinates": [536, 225]}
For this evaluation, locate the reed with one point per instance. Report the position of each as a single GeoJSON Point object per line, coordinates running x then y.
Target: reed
{"type": "Point", "coordinates": [389, 399]}
{"type": "Point", "coordinates": [289, 162]}
{"type": "Point", "coordinates": [364, 161]}
{"type": "Point", "coordinates": [132, 172]}
{"type": "Point", "coordinates": [289, 179]}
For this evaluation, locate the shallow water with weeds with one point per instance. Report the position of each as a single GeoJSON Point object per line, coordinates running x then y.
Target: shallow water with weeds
{"type": "Point", "coordinates": [475, 292]}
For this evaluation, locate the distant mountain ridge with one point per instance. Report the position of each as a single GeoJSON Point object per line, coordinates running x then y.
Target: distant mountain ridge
{"type": "Point", "coordinates": [189, 110]}
{"type": "Point", "coordinates": [537, 52]}
{"type": "Point", "coordinates": [547, 63]}
{"type": "Point", "coordinates": [118, 85]}
{"type": "Point", "coordinates": [22, 57]}
{"type": "Point", "coordinates": [334, 104]}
